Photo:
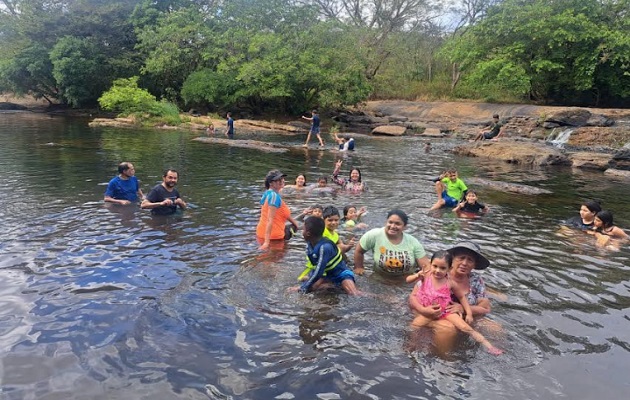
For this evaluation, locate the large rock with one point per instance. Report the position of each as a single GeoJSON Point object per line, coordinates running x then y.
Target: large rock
{"type": "Point", "coordinates": [621, 159]}
{"type": "Point", "coordinates": [573, 117]}
{"type": "Point", "coordinates": [507, 186]}
{"type": "Point", "coordinates": [6, 106]}
{"type": "Point", "coordinates": [591, 160]}
{"type": "Point", "coordinates": [389, 130]}
{"type": "Point", "coordinates": [515, 152]}
{"type": "Point", "coordinates": [618, 173]}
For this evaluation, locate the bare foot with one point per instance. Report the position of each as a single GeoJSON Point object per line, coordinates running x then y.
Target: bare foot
{"type": "Point", "coordinates": [495, 351]}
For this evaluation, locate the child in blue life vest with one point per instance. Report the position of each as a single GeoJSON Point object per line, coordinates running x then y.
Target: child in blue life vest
{"type": "Point", "coordinates": [328, 267]}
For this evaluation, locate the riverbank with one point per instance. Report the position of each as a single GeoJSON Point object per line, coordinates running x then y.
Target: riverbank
{"type": "Point", "coordinates": [590, 129]}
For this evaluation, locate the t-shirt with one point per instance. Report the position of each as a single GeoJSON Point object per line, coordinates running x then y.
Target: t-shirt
{"type": "Point", "coordinates": [473, 208]}
{"type": "Point", "coordinates": [455, 189]}
{"type": "Point", "coordinates": [158, 194]}
{"type": "Point", "coordinates": [576, 222]}
{"type": "Point", "coordinates": [396, 259]}
{"type": "Point", "coordinates": [495, 128]}
{"type": "Point", "coordinates": [272, 198]}
{"type": "Point", "coordinates": [333, 236]}
{"type": "Point", "coordinates": [230, 125]}
{"type": "Point", "coordinates": [123, 189]}
{"type": "Point", "coordinates": [315, 123]}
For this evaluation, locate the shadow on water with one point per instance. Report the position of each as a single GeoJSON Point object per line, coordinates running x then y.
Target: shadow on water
{"type": "Point", "coordinates": [110, 302]}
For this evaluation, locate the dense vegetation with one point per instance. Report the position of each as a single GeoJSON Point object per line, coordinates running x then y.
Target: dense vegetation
{"type": "Point", "coordinates": [292, 55]}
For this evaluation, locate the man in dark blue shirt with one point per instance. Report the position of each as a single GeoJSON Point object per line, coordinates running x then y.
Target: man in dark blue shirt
{"type": "Point", "coordinates": [163, 199]}
{"type": "Point", "coordinates": [229, 132]}
{"type": "Point", "coordinates": [314, 128]}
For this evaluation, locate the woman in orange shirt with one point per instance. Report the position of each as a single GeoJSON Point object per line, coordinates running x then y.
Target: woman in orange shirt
{"type": "Point", "coordinates": [274, 212]}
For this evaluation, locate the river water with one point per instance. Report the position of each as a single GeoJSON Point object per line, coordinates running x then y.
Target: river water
{"type": "Point", "coordinates": [109, 303]}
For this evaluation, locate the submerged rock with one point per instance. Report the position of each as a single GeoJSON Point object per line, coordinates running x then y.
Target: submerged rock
{"type": "Point", "coordinates": [515, 152]}
{"type": "Point", "coordinates": [508, 186]}
{"type": "Point", "coordinates": [591, 160]}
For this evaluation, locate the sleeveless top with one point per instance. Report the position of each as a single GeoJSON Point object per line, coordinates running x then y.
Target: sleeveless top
{"type": "Point", "coordinates": [428, 294]}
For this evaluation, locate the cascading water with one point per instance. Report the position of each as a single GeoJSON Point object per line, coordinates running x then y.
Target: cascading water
{"type": "Point", "coordinates": [561, 138]}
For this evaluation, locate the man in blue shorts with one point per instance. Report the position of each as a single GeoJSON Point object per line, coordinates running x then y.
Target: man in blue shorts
{"type": "Point", "coordinates": [124, 189]}
{"type": "Point", "coordinates": [314, 128]}
{"type": "Point", "coordinates": [450, 190]}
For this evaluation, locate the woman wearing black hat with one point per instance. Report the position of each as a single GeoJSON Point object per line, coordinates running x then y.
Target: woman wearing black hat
{"type": "Point", "coordinates": [467, 257]}
{"type": "Point", "coordinates": [274, 212]}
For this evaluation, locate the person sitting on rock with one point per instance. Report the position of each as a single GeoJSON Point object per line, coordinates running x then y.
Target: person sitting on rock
{"type": "Point", "coordinates": [494, 130]}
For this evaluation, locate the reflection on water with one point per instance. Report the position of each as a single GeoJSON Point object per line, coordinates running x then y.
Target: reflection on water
{"type": "Point", "coordinates": [103, 301]}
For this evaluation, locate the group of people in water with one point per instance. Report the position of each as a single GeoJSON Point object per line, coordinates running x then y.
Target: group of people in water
{"type": "Point", "coordinates": [442, 299]}
{"type": "Point", "coordinates": [448, 292]}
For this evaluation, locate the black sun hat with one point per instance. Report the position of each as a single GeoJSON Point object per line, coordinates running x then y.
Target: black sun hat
{"type": "Point", "coordinates": [481, 263]}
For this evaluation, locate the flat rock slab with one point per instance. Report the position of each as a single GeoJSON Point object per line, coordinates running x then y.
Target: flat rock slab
{"type": "Point", "coordinates": [246, 144]}
{"type": "Point", "coordinates": [270, 125]}
{"type": "Point", "coordinates": [508, 186]}
{"type": "Point", "coordinates": [389, 130]}
{"type": "Point", "coordinates": [515, 152]}
{"type": "Point", "coordinates": [591, 160]}
{"type": "Point", "coordinates": [618, 173]}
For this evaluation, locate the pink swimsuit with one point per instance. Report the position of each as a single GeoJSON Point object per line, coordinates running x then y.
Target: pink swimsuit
{"type": "Point", "coordinates": [428, 295]}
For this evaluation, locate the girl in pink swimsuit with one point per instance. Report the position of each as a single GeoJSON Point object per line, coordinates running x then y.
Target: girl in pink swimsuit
{"type": "Point", "coordinates": [434, 290]}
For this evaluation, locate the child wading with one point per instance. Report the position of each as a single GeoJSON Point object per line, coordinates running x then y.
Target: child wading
{"type": "Point", "coordinates": [328, 267]}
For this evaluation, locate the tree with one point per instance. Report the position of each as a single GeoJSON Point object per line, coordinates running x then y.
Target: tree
{"type": "Point", "coordinates": [564, 51]}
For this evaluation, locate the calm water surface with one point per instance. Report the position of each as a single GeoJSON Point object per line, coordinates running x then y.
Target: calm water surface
{"type": "Point", "coordinates": [105, 302]}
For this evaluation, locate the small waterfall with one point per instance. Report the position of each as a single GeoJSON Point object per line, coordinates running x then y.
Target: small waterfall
{"type": "Point", "coordinates": [561, 138]}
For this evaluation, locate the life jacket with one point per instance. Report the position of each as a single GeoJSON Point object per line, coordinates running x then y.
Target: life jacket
{"type": "Point", "coordinates": [312, 261]}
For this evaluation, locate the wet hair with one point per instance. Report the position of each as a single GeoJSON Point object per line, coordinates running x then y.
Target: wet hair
{"type": "Point", "coordinates": [346, 209]}
{"type": "Point", "coordinates": [606, 217]}
{"type": "Point", "coordinates": [330, 211]}
{"type": "Point", "coordinates": [166, 171]}
{"type": "Point", "coordinates": [442, 255]}
{"type": "Point", "coordinates": [317, 207]}
{"type": "Point", "coordinates": [470, 191]}
{"type": "Point", "coordinates": [451, 171]}
{"type": "Point", "coordinates": [593, 206]}
{"type": "Point", "coordinates": [314, 226]}
{"type": "Point", "coordinates": [400, 213]}
{"type": "Point", "coordinates": [358, 170]}
{"type": "Point", "coordinates": [122, 167]}
{"type": "Point", "coordinates": [322, 178]}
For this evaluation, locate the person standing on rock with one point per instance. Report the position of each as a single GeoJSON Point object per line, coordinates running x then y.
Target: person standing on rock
{"type": "Point", "coordinates": [314, 128]}
{"type": "Point", "coordinates": [229, 131]}
{"type": "Point", "coordinates": [494, 130]}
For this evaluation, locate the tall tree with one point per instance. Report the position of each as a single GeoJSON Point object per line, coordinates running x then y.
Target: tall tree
{"type": "Point", "coordinates": [564, 51]}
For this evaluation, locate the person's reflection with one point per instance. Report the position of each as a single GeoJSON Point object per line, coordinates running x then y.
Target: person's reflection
{"type": "Point", "coordinates": [312, 324]}
{"type": "Point", "coordinates": [126, 213]}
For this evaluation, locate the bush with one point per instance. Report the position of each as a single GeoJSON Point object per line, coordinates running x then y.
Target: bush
{"type": "Point", "coordinates": [127, 98]}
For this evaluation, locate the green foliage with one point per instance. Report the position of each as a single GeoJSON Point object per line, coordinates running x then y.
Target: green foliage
{"type": "Point", "coordinates": [79, 70]}
{"type": "Point", "coordinates": [127, 98]}
{"type": "Point", "coordinates": [543, 50]}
